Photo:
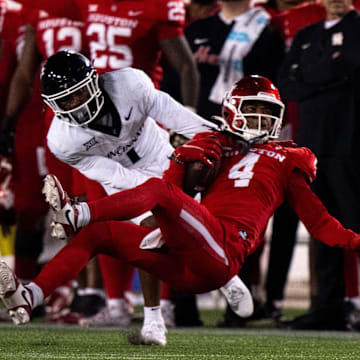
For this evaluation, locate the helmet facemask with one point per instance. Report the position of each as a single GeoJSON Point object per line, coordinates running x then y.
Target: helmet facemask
{"type": "Point", "coordinates": [253, 125]}
{"type": "Point", "coordinates": [86, 110]}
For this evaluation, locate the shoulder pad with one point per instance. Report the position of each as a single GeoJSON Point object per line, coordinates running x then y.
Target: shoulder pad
{"type": "Point", "coordinates": [285, 143]}
{"type": "Point", "coordinates": [304, 160]}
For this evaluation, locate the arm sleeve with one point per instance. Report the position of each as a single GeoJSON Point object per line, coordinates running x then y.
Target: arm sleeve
{"type": "Point", "coordinates": [111, 174]}
{"type": "Point", "coordinates": [170, 113]}
{"type": "Point", "coordinates": [319, 223]}
{"type": "Point", "coordinates": [175, 174]}
{"type": "Point", "coordinates": [7, 68]}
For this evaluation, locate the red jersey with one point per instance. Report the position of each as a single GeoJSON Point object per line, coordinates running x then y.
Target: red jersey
{"type": "Point", "coordinates": [12, 43]}
{"type": "Point", "coordinates": [122, 34]}
{"type": "Point", "coordinates": [251, 186]}
{"type": "Point", "coordinates": [54, 34]}
{"type": "Point", "coordinates": [291, 21]}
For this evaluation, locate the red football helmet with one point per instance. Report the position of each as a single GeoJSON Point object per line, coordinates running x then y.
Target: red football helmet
{"type": "Point", "coordinates": [252, 88]}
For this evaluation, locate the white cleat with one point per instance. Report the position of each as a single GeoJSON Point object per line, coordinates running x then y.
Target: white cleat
{"type": "Point", "coordinates": [105, 318]}
{"type": "Point", "coordinates": [16, 297]}
{"type": "Point", "coordinates": [65, 215]}
{"type": "Point", "coordinates": [153, 333]}
{"type": "Point", "coordinates": [238, 297]}
{"type": "Point", "coordinates": [168, 313]}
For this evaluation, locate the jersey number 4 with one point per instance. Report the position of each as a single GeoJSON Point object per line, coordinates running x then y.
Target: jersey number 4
{"type": "Point", "coordinates": [242, 171]}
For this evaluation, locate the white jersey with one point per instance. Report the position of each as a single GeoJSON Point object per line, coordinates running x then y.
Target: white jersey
{"type": "Point", "coordinates": [141, 150]}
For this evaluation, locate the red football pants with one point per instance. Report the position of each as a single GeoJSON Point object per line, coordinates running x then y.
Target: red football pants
{"type": "Point", "coordinates": [195, 261]}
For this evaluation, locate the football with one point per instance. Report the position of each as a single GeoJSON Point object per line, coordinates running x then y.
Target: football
{"type": "Point", "coordinates": [198, 176]}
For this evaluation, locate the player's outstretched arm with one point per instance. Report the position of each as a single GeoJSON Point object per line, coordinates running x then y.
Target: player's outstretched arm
{"type": "Point", "coordinates": [320, 224]}
{"type": "Point", "coordinates": [20, 90]}
{"type": "Point", "coordinates": [179, 55]}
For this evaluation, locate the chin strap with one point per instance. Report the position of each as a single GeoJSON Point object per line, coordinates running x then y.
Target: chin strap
{"type": "Point", "coordinates": [245, 144]}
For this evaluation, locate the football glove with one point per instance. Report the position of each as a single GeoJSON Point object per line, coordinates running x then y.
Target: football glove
{"type": "Point", "coordinates": [201, 149]}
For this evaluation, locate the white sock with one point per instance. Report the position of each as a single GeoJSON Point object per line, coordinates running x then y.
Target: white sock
{"type": "Point", "coordinates": [83, 214]}
{"type": "Point", "coordinates": [152, 313]}
{"type": "Point", "coordinates": [37, 293]}
{"type": "Point", "coordinates": [116, 306]}
{"type": "Point", "coordinates": [91, 291]}
{"type": "Point", "coordinates": [166, 303]}
{"type": "Point", "coordinates": [355, 301]}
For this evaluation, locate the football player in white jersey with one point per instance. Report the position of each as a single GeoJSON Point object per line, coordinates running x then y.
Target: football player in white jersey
{"type": "Point", "coordinates": [105, 127]}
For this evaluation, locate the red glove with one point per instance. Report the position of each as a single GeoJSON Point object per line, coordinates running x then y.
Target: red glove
{"type": "Point", "coordinates": [202, 149]}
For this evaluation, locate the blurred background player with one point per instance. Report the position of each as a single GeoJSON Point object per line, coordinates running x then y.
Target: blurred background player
{"type": "Point", "coordinates": [285, 222]}
{"type": "Point", "coordinates": [44, 35]}
{"type": "Point", "coordinates": [25, 148]}
{"type": "Point", "coordinates": [7, 64]}
{"type": "Point", "coordinates": [308, 77]}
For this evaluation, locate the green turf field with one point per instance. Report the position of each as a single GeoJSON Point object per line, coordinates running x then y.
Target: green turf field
{"type": "Point", "coordinates": [260, 341]}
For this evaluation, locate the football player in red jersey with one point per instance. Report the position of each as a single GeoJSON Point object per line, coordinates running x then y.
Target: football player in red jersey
{"type": "Point", "coordinates": [7, 65]}
{"type": "Point", "coordinates": [26, 153]}
{"type": "Point", "coordinates": [42, 35]}
{"type": "Point", "coordinates": [203, 244]}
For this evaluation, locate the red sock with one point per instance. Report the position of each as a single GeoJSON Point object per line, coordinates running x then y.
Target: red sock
{"type": "Point", "coordinates": [66, 265]}
{"type": "Point", "coordinates": [166, 291]}
{"type": "Point", "coordinates": [351, 275]}
{"type": "Point", "coordinates": [26, 268]}
{"type": "Point", "coordinates": [127, 204]}
{"type": "Point", "coordinates": [117, 276]}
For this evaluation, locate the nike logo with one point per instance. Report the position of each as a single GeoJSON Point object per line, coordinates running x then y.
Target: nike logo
{"type": "Point", "coordinates": [23, 294]}
{"type": "Point", "coordinates": [67, 215]}
{"type": "Point", "coordinates": [134, 13]}
{"type": "Point", "coordinates": [212, 128]}
{"type": "Point", "coordinates": [128, 117]}
{"type": "Point", "coordinates": [305, 46]}
{"type": "Point", "coordinates": [200, 41]}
